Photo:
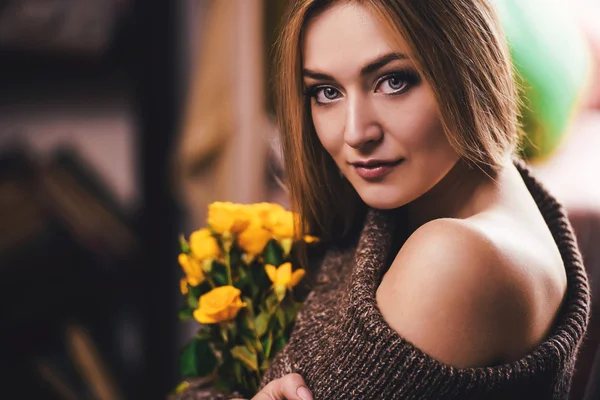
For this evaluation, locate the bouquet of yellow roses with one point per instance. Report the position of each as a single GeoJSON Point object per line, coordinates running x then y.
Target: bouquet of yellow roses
{"type": "Point", "coordinates": [237, 285]}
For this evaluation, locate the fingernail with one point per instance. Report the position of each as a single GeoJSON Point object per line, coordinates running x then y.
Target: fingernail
{"type": "Point", "coordinates": [304, 393]}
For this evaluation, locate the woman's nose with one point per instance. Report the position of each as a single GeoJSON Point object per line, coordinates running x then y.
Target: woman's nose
{"type": "Point", "coordinates": [361, 125]}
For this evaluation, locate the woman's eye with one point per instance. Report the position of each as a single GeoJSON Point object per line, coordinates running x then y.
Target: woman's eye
{"type": "Point", "coordinates": [326, 94]}
{"type": "Point", "coordinates": [392, 84]}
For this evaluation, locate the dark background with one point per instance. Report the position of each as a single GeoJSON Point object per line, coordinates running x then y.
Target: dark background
{"type": "Point", "coordinates": [118, 280]}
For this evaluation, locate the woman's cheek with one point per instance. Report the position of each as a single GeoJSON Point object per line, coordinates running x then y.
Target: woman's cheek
{"type": "Point", "coordinates": [413, 120]}
{"type": "Point", "coordinates": [329, 128]}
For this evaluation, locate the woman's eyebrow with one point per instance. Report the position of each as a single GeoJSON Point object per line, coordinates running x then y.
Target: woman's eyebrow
{"type": "Point", "coordinates": [368, 69]}
{"type": "Point", "coordinates": [381, 62]}
{"type": "Point", "coordinates": [316, 75]}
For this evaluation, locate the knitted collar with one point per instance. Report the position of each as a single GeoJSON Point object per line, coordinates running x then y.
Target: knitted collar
{"type": "Point", "coordinates": [370, 260]}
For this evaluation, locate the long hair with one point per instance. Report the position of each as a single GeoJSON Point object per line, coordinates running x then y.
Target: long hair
{"type": "Point", "coordinates": [460, 50]}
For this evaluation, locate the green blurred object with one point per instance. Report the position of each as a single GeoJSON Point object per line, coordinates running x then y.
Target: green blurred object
{"type": "Point", "coordinates": [552, 58]}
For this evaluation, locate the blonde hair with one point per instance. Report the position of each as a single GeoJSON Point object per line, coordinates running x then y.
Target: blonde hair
{"type": "Point", "coordinates": [459, 48]}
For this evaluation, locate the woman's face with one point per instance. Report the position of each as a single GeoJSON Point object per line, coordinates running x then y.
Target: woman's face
{"type": "Point", "coordinates": [373, 113]}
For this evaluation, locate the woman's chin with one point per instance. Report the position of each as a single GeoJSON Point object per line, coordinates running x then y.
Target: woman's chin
{"type": "Point", "coordinates": [384, 201]}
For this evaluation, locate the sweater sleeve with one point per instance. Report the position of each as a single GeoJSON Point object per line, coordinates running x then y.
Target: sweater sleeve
{"type": "Point", "coordinates": [363, 358]}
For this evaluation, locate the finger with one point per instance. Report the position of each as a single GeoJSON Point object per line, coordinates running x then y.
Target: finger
{"type": "Point", "coordinates": [290, 387]}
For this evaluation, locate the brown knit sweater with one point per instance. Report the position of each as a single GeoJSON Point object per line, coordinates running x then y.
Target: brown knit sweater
{"type": "Point", "coordinates": [344, 349]}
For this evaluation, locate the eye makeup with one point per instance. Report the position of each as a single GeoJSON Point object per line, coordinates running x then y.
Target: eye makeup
{"type": "Point", "coordinates": [392, 84]}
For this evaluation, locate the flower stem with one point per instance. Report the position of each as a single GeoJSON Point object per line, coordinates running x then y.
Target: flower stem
{"type": "Point", "coordinates": [210, 281]}
{"type": "Point", "coordinates": [228, 266]}
{"type": "Point", "coordinates": [259, 379]}
{"type": "Point", "coordinates": [224, 335]}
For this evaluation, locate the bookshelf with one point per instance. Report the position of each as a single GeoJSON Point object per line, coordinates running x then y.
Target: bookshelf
{"type": "Point", "coordinates": [78, 300]}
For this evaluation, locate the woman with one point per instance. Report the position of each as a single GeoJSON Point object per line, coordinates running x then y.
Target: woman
{"type": "Point", "coordinates": [451, 272]}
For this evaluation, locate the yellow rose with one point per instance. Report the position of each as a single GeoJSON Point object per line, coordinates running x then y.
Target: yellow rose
{"type": "Point", "coordinates": [203, 245]}
{"type": "Point", "coordinates": [218, 305]}
{"type": "Point", "coordinates": [283, 278]}
{"type": "Point", "coordinates": [260, 212]}
{"type": "Point", "coordinates": [192, 269]}
{"type": "Point", "coordinates": [254, 239]}
{"type": "Point", "coordinates": [281, 223]}
{"type": "Point", "coordinates": [226, 217]}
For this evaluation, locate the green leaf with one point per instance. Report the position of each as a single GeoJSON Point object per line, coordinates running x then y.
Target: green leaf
{"type": "Point", "coordinates": [241, 282]}
{"type": "Point", "coordinates": [219, 274]}
{"type": "Point", "coordinates": [272, 303]}
{"type": "Point", "coordinates": [207, 266]}
{"type": "Point", "coordinates": [246, 356]}
{"type": "Point", "coordinates": [259, 278]}
{"type": "Point", "coordinates": [254, 290]}
{"type": "Point", "coordinates": [252, 382]}
{"type": "Point", "coordinates": [195, 291]}
{"type": "Point", "coordinates": [192, 301]}
{"type": "Point", "coordinates": [248, 333]}
{"type": "Point", "coordinates": [183, 244]}
{"type": "Point", "coordinates": [291, 311]}
{"type": "Point", "coordinates": [267, 344]}
{"type": "Point", "coordinates": [255, 344]}
{"type": "Point", "coordinates": [204, 335]}
{"type": "Point", "coordinates": [197, 359]}
{"type": "Point", "coordinates": [232, 329]}
{"type": "Point", "coordinates": [235, 258]}
{"type": "Point", "coordinates": [222, 385]}
{"type": "Point", "coordinates": [261, 323]}
{"type": "Point", "coordinates": [278, 344]}
{"type": "Point", "coordinates": [273, 253]}
{"type": "Point", "coordinates": [237, 370]}
{"type": "Point", "coordinates": [224, 332]}
{"type": "Point", "coordinates": [239, 271]}
{"type": "Point", "coordinates": [246, 328]}
{"type": "Point", "coordinates": [280, 315]}
{"type": "Point", "coordinates": [249, 306]}
{"type": "Point", "coordinates": [180, 388]}
{"type": "Point", "coordinates": [265, 365]}
{"type": "Point", "coordinates": [185, 314]}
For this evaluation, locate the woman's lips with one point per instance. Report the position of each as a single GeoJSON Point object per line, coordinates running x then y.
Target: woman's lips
{"type": "Point", "coordinates": [373, 171]}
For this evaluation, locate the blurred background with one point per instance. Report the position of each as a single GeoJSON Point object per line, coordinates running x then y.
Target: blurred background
{"type": "Point", "coordinates": [121, 120]}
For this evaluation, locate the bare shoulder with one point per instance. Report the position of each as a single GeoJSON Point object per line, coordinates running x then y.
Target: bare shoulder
{"type": "Point", "coordinates": [460, 297]}
{"type": "Point", "coordinates": [449, 243]}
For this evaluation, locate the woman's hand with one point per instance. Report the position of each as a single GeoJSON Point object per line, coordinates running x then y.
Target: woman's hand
{"type": "Point", "coordinates": [289, 387]}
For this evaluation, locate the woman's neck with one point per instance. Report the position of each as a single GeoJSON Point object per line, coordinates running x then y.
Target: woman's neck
{"type": "Point", "coordinates": [460, 194]}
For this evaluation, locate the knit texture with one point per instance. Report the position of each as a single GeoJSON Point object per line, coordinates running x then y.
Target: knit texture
{"type": "Point", "coordinates": [344, 349]}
